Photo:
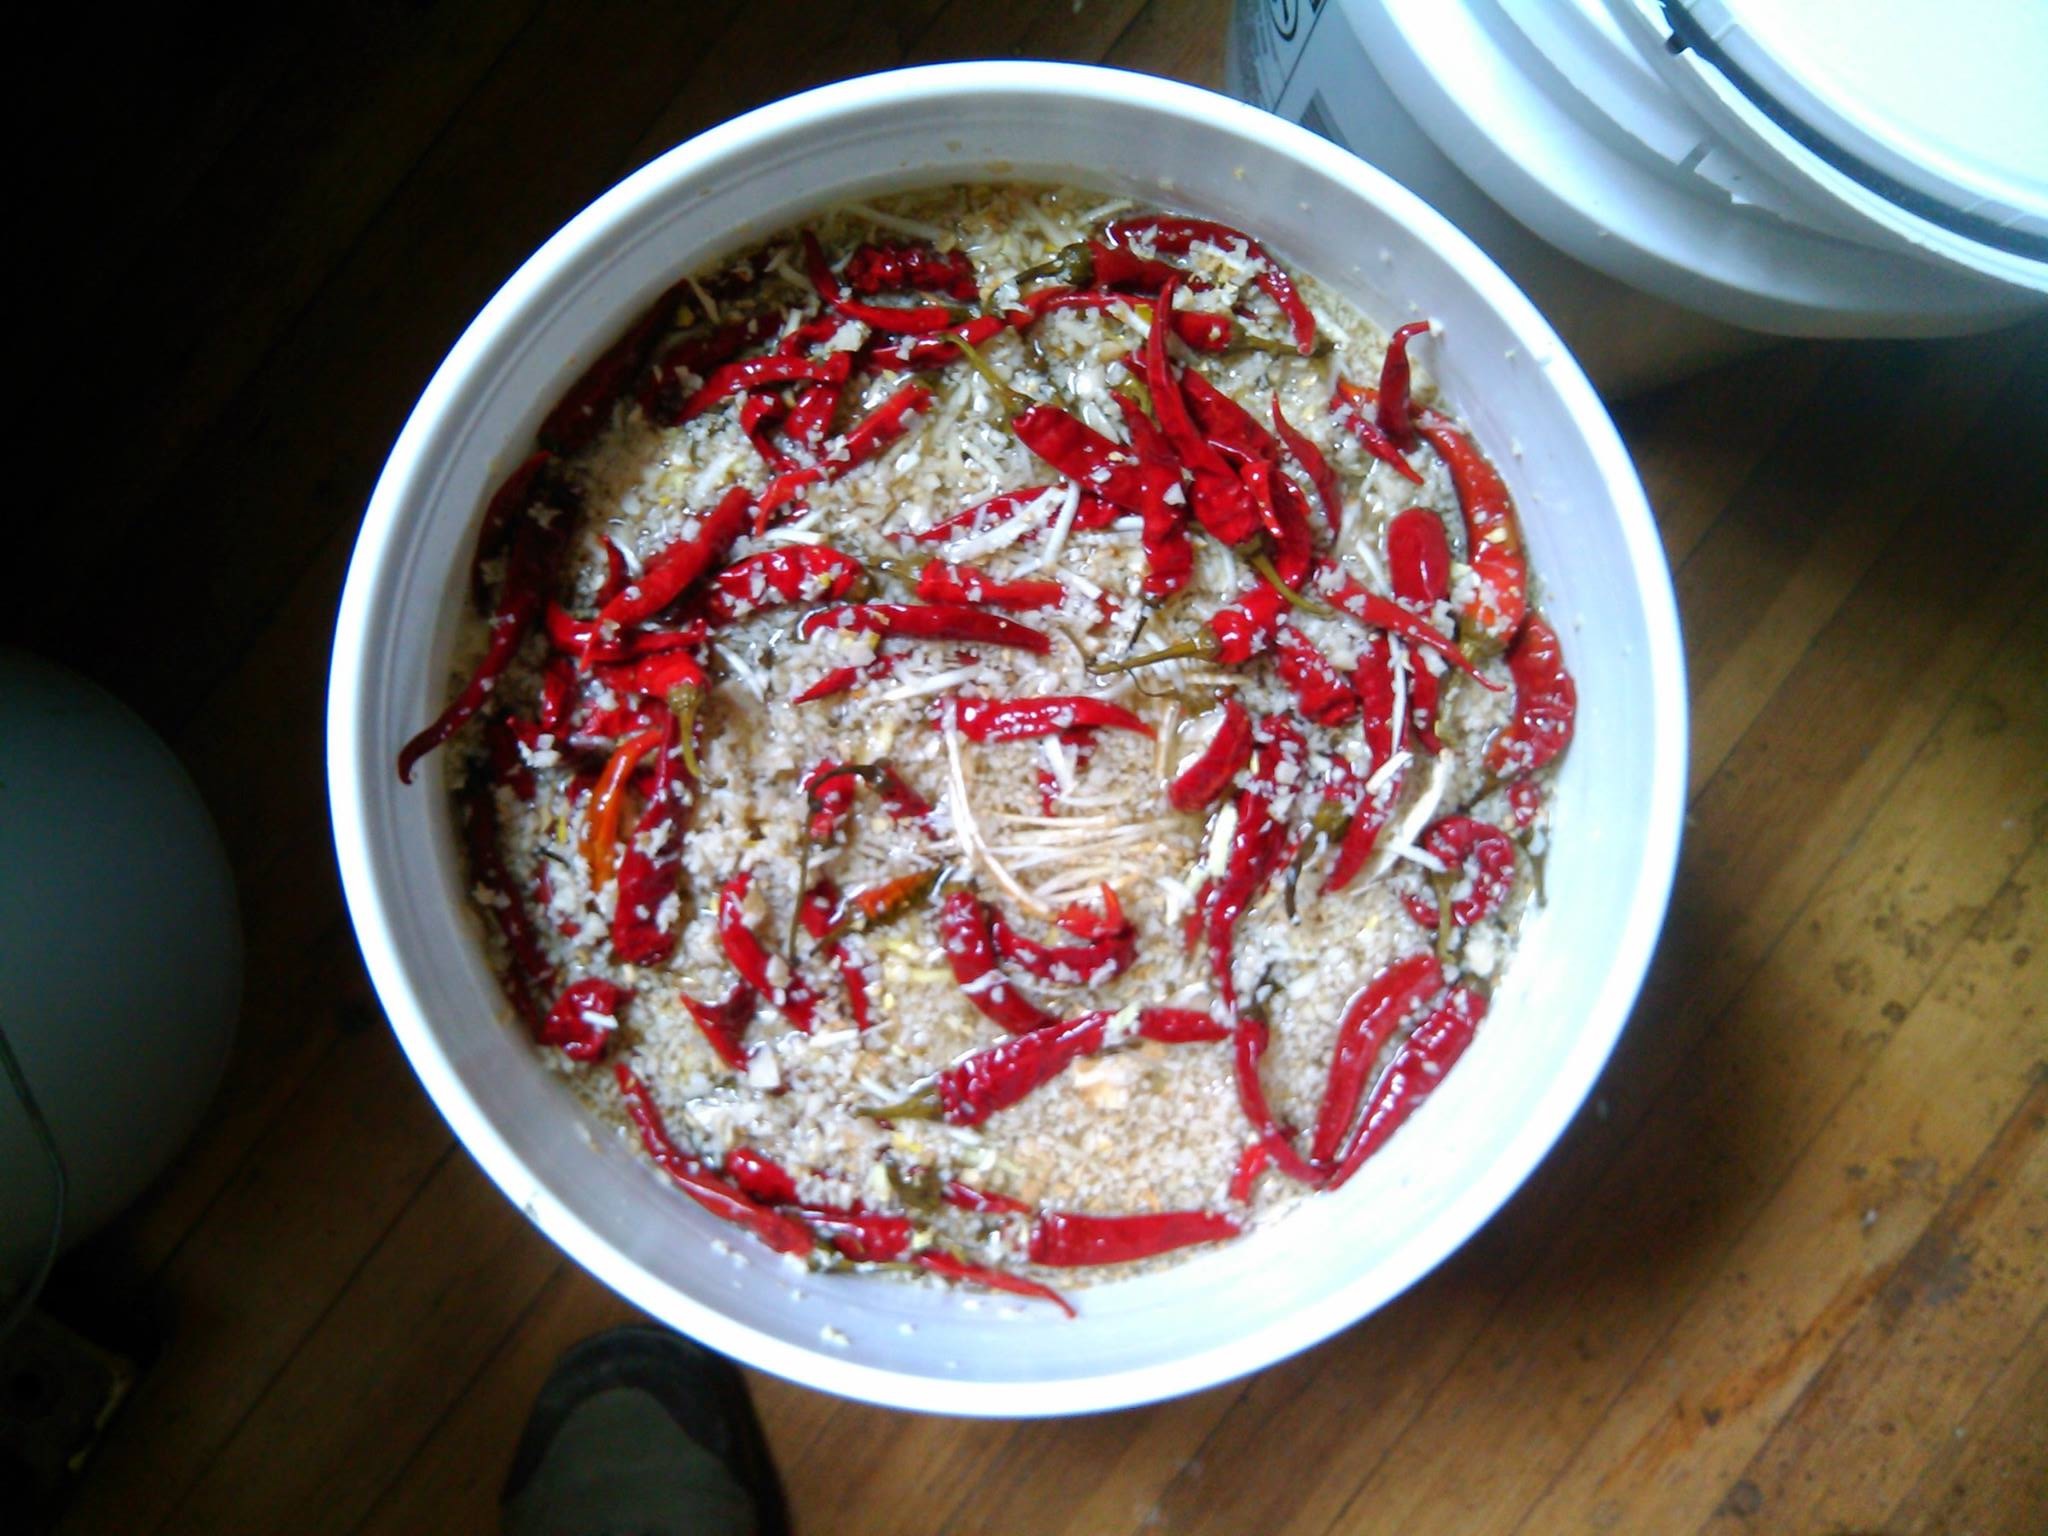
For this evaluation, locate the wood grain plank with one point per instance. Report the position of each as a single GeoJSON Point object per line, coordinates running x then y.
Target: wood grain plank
{"type": "Point", "coordinates": [1674, 1442]}
{"type": "Point", "coordinates": [1992, 1473]}
{"type": "Point", "coordinates": [452, 1482]}
{"type": "Point", "coordinates": [1951, 1313]}
{"type": "Point", "coordinates": [432, 1302]}
{"type": "Point", "coordinates": [345, 1160]}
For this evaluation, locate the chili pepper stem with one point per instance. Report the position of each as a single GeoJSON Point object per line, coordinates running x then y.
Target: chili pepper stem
{"type": "Point", "coordinates": [1013, 403]}
{"type": "Point", "coordinates": [1444, 884]}
{"type": "Point", "coordinates": [1201, 648]}
{"type": "Point", "coordinates": [1263, 564]}
{"type": "Point", "coordinates": [923, 1104]}
{"type": "Point", "coordinates": [683, 703]}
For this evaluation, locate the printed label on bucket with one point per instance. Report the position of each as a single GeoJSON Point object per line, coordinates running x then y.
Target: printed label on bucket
{"type": "Point", "coordinates": [1270, 37]}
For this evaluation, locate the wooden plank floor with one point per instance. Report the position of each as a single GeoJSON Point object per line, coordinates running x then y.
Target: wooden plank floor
{"type": "Point", "coordinates": [1788, 1272]}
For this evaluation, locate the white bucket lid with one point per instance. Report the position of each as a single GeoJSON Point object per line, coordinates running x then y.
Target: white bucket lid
{"type": "Point", "coordinates": [1927, 126]}
{"type": "Point", "coordinates": [1575, 118]}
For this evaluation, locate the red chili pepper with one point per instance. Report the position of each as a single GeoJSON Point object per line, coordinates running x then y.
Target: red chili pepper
{"type": "Point", "coordinates": [950, 1266]}
{"type": "Point", "coordinates": [1091, 963]}
{"type": "Point", "coordinates": [1068, 1239]}
{"type": "Point", "coordinates": [785, 1234]}
{"type": "Point", "coordinates": [882, 902]}
{"type": "Point", "coordinates": [1493, 544]}
{"type": "Point", "coordinates": [1082, 922]}
{"type": "Point", "coordinates": [1350, 406]}
{"type": "Point", "coordinates": [1236, 633]}
{"type": "Point", "coordinates": [1173, 236]}
{"type": "Point", "coordinates": [965, 1197]}
{"type": "Point", "coordinates": [757, 372]}
{"type": "Point", "coordinates": [1315, 466]}
{"type": "Point", "coordinates": [854, 977]}
{"type": "Point", "coordinates": [769, 974]}
{"type": "Point", "coordinates": [1413, 1075]}
{"type": "Point", "coordinates": [1546, 703]}
{"type": "Point", "coordinates": [927, 621]}
{"type": "Point", "coordinates": [1257, 846]}
{"type": "Point", "coordinates": [1205, 332]}
{"type": "Point", "coordinates": [520, 602]}
{"type": "Point", "coordinates": [643, 919]}
{"type": "Point", "coordinates": [914, 320]}
{"type": "Point", "coordinates": [599, 842]}
{"type": "Point", "coordinates": [1394, 418]}
{"type": "Point", "coordinates": [1324, 694]}
{"type": "Point", "coordinates": [760, 1177]}
{"type": "Point", "coordinates": [1022, 719]}
{"type": "Point", "coordinates": [1101, 467]}
{"type": "Point", "coordinates": [810, 414]}
{"type": "Point", "coordinates": [1169, 554]}
{"type": "Point", "coordinates": [1249, 1040]}
{"type": "Point", "coordinates": [724, 1023]}
{"type": "Point", "coordinates": [531, 971]}
{"type": "Point", "coordinates": [1348, 595]}
{"type": "Point", "coordinates": [1458, 841]}
{"type": "Point", "coordinates": [1218, 498]}
{"type": "Point", "coordinates": [1369, 1022]}
{"type": "Point", "coordinates": [853, 448]}
{"type": "Point", "coordinates": [885, 266]}
{"type": "Point", "coordinates": [1210, 774]}
{"type": "Point", "coordinates": [1222, 420]}
{"type": "Point", "coordinates": [1526, 797]}
{"type": "Point", "coordinates": [668, 573]}
{"type": "Point", "coordinates": [794, 573]}
{"type": "Point", "coordinates": [839, 679]}
{"type": "Point", "coordinates": [915, 353]}
{"type": "Point", "coordinates": [1010, 1071]}
{"type": "Point", "coordinates": [965, 935]}
{"type": "Point", "coordinates": [1361, 835]}
{"type": "Point", "coordinates": [941, 582]}
{"type": "Point", "coordinates": [982, 516]}
{"type": "Point", "coordinates": [655, 675]}
{"type": "Point", "coordinates": [679, 370]}
{"type": "Point", "coordinates": [581, 413]}
{"type": "Point", "coordinates": [1250, 1164]}
{"type": "Point", "coordinates": [572, 1024]}
{"type": "Point", "coordinates": [507, 504]}
{"type": "Point", "coordinates": [1419, 558]}
{"type": "Point", "coordinates": [865, 1237]}
{"type": "Point", "coordinates": [1293, 530]}
{"type": "Point", "coordinates": [579, 637]}
{"type": "Point", "coordinates": [501, 740]}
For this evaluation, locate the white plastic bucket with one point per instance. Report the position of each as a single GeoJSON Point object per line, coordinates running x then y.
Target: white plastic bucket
{"type": "Point", "coordinates": [1619, 796]}
{"type": "Point", "coordinates": [1659, 216]}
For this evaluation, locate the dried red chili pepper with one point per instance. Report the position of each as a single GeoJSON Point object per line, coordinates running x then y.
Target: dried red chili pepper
{"type": "Point", "coordinates": [1022, 719]}
{"type": "Point", "coordinates": [1370, 1019]}
{"type": "Point", "coordinates": [760, 1177]}
{"type": "Point", "coordinates": [785, 1234]}
{"type": "Point", "coordinates": [1349, 596]}
{"type": "Point", "coordinates": [913, 354]}
{"type": "Point", "coordinates": [1100, 264]}
{"type": "Point", "coordinates": [532, 547]}
{"type": "Point", "coordinates": [1249, 1040]}
{"type": "Point", "coordinates": [507, 504]}
{"type": "Point", "coordinates": [1526, 798]}
{"type": "Point", "coordinates": [927, 621]}
{"type": "Point", "coordinates": [1172, 236]}
{"type": "Point", "coordinates": [1236, 633]}
{"type": "Point", "coordinates": [851, 449]}
{"type": "Point", "coordinates": [643, 918]}
{"type": "Point", "coordinates": [1106, 469]}
{"type": "Point", "coordinates": [1220, 762]}
{"type": "Point", "coordinates": [1419, 558]}
{"type": "Point", "coordinates": [1205, 332]}
{"type": "Point", "coordinates": [1250, 1164]}
{"type": "Point", "coordinates": [753, 373]}
{"type": "Point", "coordinates": [1394, 417]}
{"type": "Point", "coordinates": [811, 413]}
{"type": "Point", "coordinates": [884, 266]}
{"type": "Point", "coordinates": [1091, 963]}
{"type": "Point", "coordinates": [1360, 835]}
{"type": "Point", "coordinates": [531, 972]}
{"type": "Point", "coordinates": [864, 1237]}
{"type": "Point", "coordinates": [940, 581]}
{"type": "Point", "coordinates": [1460, 841]}
{"type": "Point", "coordinates": [950, 1266]}
{"type": "Point", "coordinates": [1350, 405]}
{"type": "Point", "coordinates": [1083, 923]}
{"type": "Point", "coordinates": [584, 1017]}
{"type": "Point", "coordinates": [1493, 544]}
{"type": "Point", "coordinates": [1010, 1071]}
{"type": "Point", "coordinates": [767, 973]}
{"type": "Point", "coordinates": [1324, 694]}
{"type": "Point", "coordinates": [1219, 500]}
{"type": "Point", "coordinates": [965, 935]}
{"type": "Point", "coordinates": [669, 573]}
{"type": "Point", "coordinates": [1069, 1239]}
{"type": "Point", "coordinates": [1315, 466]}
{"type": "Point", "coordinates": [1416, 1070]}
{"type": "Point", "coordinates": [581, 413]}
{"type": "Point", "coordinates": [1257, 845]}
{"type": "Point", "coordinates": [981, 516]}
{"type": "Point", "coordinates": [1163, 514]}
{"type": "Point", "coordinates": [599, 842]}
{"type": "Point", "coordinates": [894, 321]}
{"type": "Point", "coordinates": [794, 573]}
{"type": "Point", "coordinates": [1546, 703]}
{"type": "Point", "coordinates": [724, 1023]}
{"type": "Point", "coordinates": [839, 679]}
{"type": "Point", "coordinates": [678, 371]}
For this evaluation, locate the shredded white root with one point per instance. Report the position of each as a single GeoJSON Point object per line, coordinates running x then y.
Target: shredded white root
{"type": "Point", "coordinates": [937, 683]}
{"type": "Point", "coordinates": [968, 834]}
{"type": "Point", "coordinates": [1164, 754]}
{"type": "Point", "coordinates": [916, 228]}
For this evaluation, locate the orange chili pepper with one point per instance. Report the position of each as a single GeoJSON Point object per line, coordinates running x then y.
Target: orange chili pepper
{"type": "Point", "coordinates": [600, 842]}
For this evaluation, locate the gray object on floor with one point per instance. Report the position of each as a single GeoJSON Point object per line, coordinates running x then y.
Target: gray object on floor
{"type": "Point", "coordinates": [640, 1432]}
